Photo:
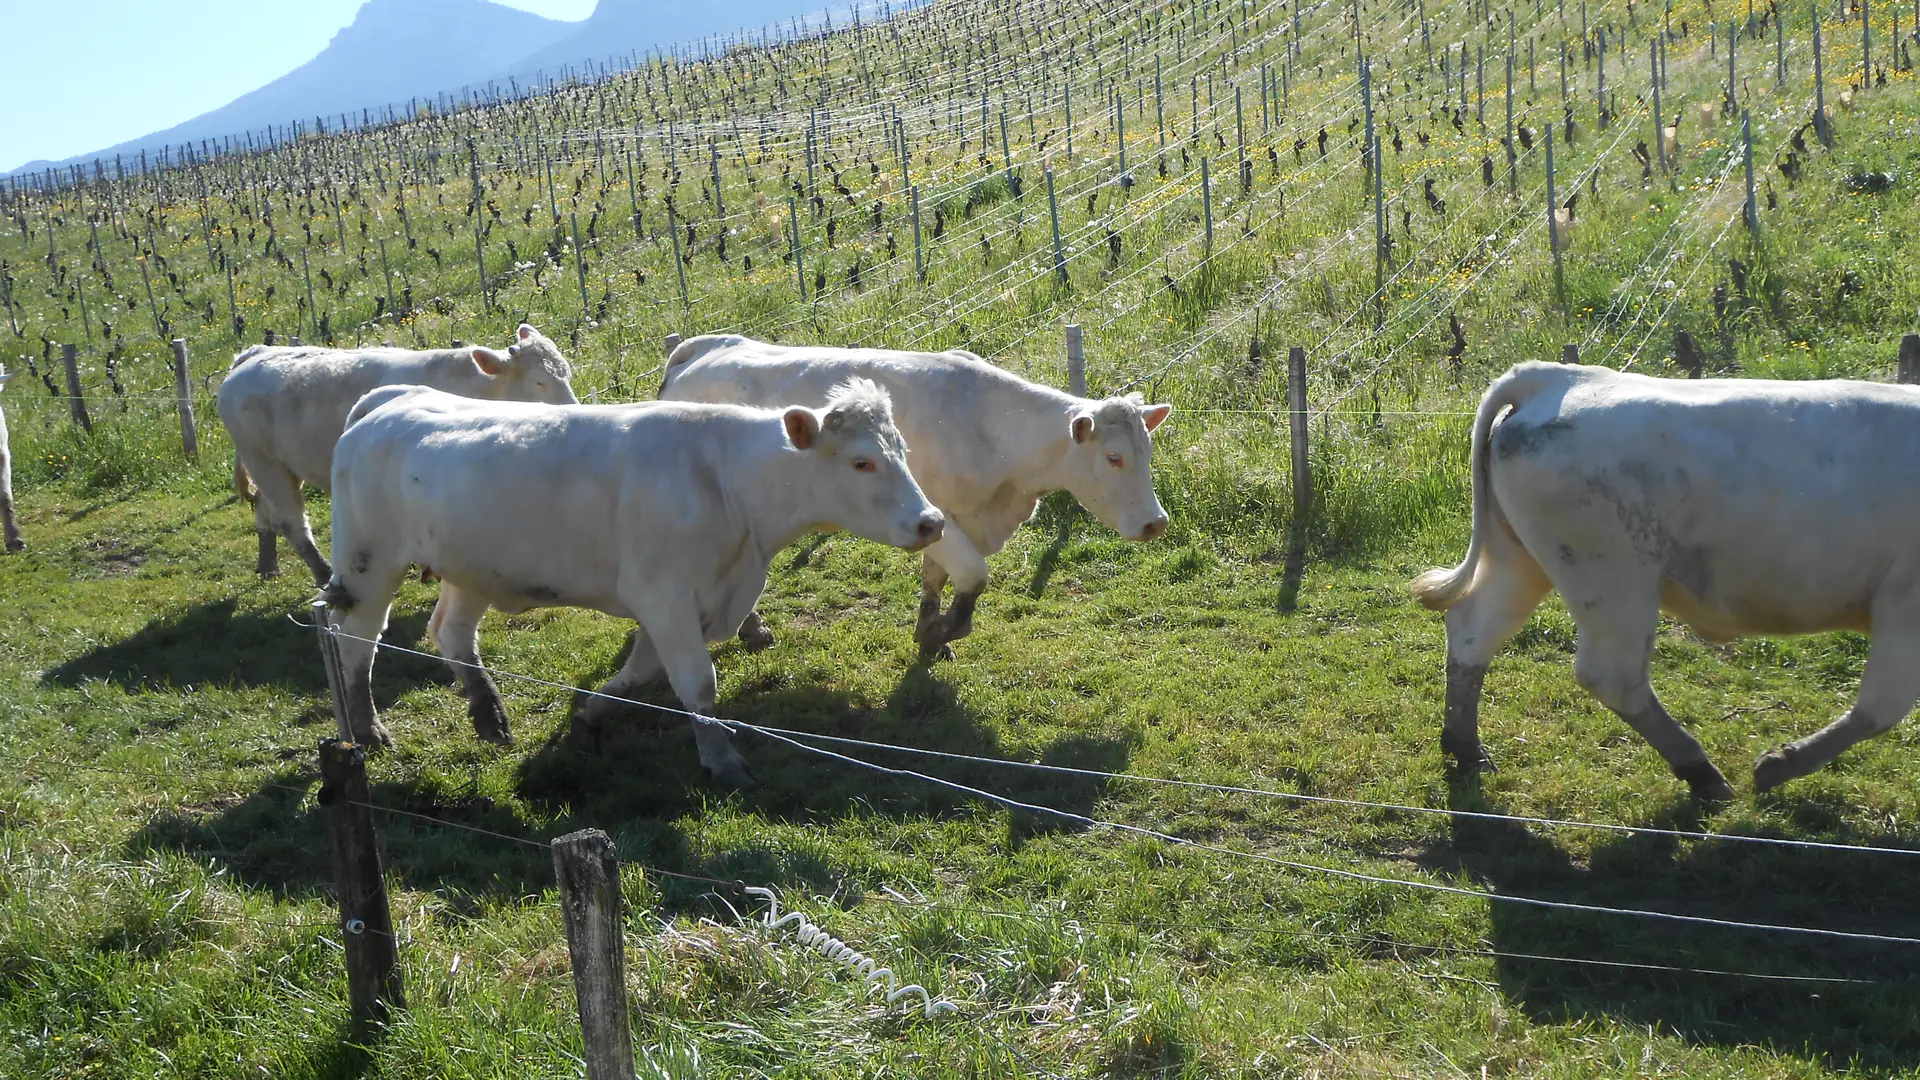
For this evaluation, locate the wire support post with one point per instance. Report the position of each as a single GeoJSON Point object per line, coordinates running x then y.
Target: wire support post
{"type": "Point", "coordinates": [374, 987]}
{"type": "Point", "coordinates": [587, 868]}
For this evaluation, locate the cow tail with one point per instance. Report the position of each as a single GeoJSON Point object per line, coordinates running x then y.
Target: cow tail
{"type": "Point", "coordinates": [1444, 586]}
{"type": "Point", "coordinates": [243, 484]}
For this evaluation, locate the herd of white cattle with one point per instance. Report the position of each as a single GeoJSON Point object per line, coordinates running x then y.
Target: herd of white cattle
{"type": "Point", "coordinates": [1738, 506]}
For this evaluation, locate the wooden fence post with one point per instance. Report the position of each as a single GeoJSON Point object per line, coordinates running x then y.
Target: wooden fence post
{"type": "Point", "coordinates": [1053, 210]}
{"type": "Point", "coordinates": [1554, 242]}
{"type": "Point", "coordinates": [1570, 354]}
{"type": "Point", "coordinates": [1297, 414]}
{"type": "Point", "coordinates": [1910, 358]}
{"type": "Point", "coordinates": [366, 924]}
{"type": "Point", "coordinates": [919, 262]}
{"type": "Point", "coordinates": [76, 404]}
{"type": "Point", "coordinates": [183, 390]}
{"type": "Point", "coordinates": [672, 342]}
{"type": "Point", "coordinates": [588, 871]}
{"type": "Point", "coordinates": [1076, 362]}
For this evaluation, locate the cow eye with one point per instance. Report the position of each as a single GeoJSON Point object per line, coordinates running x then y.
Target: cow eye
{"type": "Point", "coordinates": [861, 464]}
{"type": "Point", "coordinates": [1116, 461]}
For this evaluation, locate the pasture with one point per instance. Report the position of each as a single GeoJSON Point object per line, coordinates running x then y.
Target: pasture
{"type": "Point", "coordinates": [165, 903]}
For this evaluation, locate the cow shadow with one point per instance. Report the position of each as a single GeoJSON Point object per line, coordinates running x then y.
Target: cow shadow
{"type": "Point", "coordinates": [217, 645]}
{"type": "Point", "coordinates": [1850, 1004]}
{"type": "Point", "coordinates": [645, 765]}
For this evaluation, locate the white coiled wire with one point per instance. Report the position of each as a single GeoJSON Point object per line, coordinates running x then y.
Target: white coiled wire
{"type": "Point", "coordinates": [811, 936]}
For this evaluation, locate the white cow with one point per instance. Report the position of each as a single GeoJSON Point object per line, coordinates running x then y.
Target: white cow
{"type": "Point", "coordinates": [1739, 506]}
{"type": "Point", "coordinates": [985, 444]}
{"type": "Point", "coordinates": [667, 514]}
{"type": "Point", "coordinates": [286, 405]}
{"type": "Point", "coordinates": [14, 542]}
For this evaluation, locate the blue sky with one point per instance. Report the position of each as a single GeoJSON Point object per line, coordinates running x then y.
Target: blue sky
{"type": "Point", "coordinates": [128, 67]}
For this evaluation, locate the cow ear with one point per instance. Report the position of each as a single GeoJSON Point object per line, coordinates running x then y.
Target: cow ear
{"type": "Point", "coordinates": [488, 361]}
{"type": "Point", "coordinates": [526, 332]}
{"type": "Point", "coordinates": [1083, 427]}
{"type": "Point", "coordinates": [802, 427]}
{"type": "Point", "coordinates": [1155, 415]}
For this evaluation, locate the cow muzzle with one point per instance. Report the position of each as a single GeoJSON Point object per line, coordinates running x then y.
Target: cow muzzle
{"type": "Point", "coordinates": [1155, 529]}
{"type": "Point", "coordinates": [927, 530]}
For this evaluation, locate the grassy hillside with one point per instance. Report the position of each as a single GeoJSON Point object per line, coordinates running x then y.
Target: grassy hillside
{"type": "Point", "coordinates": [164, 899]}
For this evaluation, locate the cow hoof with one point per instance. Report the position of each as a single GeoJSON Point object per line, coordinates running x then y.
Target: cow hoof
{"type": "Point", "coordinates": [1713, 791]}
{"type": "Point", "coordinates": [757, 639]}
{"type": "Point", "coordinates": [377, 739]}
{"type": "Point", "coordinates": [930, 654]}
{"type": "Point", "coordinates": [734, 775]}
{"type": "Point", "coordinates": [1774, 768]}
{"type": "Point", "coordinates": [269, 571]}
{"type": "Point", "coordinates": [585, 735]}
{"type": "Point", "coordinates": [1471, 757]}
{"type": "Point", "coordinates": [1706, 782]}
{"type": "Point", "coordinates": [16, 545]}
{"type": "Point", "coordinates": [490, 724]}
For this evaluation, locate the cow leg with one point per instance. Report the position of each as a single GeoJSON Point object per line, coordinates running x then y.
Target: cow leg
{"type": "Point", "coordinates": [1613, 657]}
{"type": "Point", "coordinates": [1888, 689]}
{"type": "Point", "coordinates": [927, 627]}
{"type": "Point", "coordinates": [754, 633]}
{"type": "Point", "coordinates": [953, 557]}
{"type": "Point", "coordinates": [672, 622]}
{"type": "Point", "coordinates": [300, 535]}
{"type": "Point", "coordinates": [268, 564]}
{"type": "Point", "coordinates": [287, 515]}
{"type": "Point", "coordinates": [641, 668]}
{"type": "Point", "coordinates": [12, 530]}
{"type": "Point", "coordinates": [1511, 585]}
{"type": "Point", "coordinates": [264, 509]}
{"type": "Point", "coordinates": [360, 604]}
{"type": "Point", "coordinates": [456, 626]}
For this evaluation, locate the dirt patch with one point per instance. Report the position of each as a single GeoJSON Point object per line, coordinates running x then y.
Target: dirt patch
{"type": "Point", "coordinates": [114, 557]}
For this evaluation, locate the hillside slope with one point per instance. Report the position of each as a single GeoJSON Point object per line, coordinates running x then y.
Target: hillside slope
{"type": "Point", "coordinates": [393, 50]}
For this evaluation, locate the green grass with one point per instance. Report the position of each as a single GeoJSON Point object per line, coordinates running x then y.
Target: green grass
{"type": "Point", "coordinates": [164, 899]}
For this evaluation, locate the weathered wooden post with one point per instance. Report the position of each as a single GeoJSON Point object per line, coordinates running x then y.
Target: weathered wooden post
{"type": "Point", "coordinates": [919, 262]}
{"type": "Point", "coordinates": [366, 924]}
{"type": "Point", "coordinates": [679, 264]}
{"type": "Point", "coordinates": [183, 392]}
{"type": "Point", "coordinates": [670, 343]}
{"type": "Point", "coordinates": [580, 269]}
{"type": "Point", "coordinates": [1554, 243]}
{"type": "Point", "coordinates": [1302, 471]}
{"type": "Point", "coordinates": [1076, 362]}
{"type": "Point", "coordinates": [1206, 203]}
{"type": "Point", "coordinates": [479, 216]}
{"type": "Point", "coordinates": [793, 226]}
{"type": "Point", "coordinates": [633, 197]}
{"type": "Point", "coordinates": [1820, 126]}
{"type": "Point", "coordinates": [76, 405]}
{"type": "Point", "coordinates": [588, 871]}
{"type": "Point", "coordinates": [1866, 44]}
{"type": "Point", "coordinates": [1659, 123]}
{"type": "Point", "coordinates": [1746, 148]}
{"type": "Point", "coordinates": [1053, 209]}
{"type": "Point", "coordinates": [1910, 359]}
{"type": "Point", "coordinates": [1570, 354]}
{"type": "Point", "coordinates": [1780, 50]}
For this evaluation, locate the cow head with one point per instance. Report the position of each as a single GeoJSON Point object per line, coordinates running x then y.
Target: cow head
{"type": "Point", "coordinates": [864, 486]}
{"type": "Point", "coordinates": [531, 370]}
{"type": "Point", "coordinates": [1108, 466]}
